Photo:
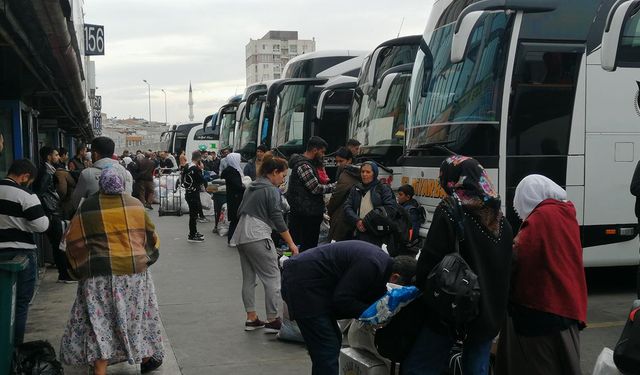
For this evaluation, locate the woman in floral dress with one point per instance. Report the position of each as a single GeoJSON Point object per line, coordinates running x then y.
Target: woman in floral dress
{"type": "Point", "coordinates": [110, 244]}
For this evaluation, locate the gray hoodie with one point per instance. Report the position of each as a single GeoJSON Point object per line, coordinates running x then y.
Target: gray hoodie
{"type": "Point", "coordinates": [262, 200]}
{"type": "Point", "coordinates": [88, 181]}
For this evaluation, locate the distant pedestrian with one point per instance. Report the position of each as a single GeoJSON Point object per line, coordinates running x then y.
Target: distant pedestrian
{"type": "Point", "coordinates": [45, 187]}
{"type": "Point", "coordinates": [348, 175]}
{"type": "Point", "coordinates": [183, 160]}
{"type": "Point", "coordinates": [111, 242]}
{"type": "Point", "coordinates": [143, 177]}
{"type": "Point", "coordinates": [412, 207]}
{"type": "Point", "coordinates": [64, 158]}
{"type": "Point", "coordinates": [261, 213]}
{"type": "Point", "coordinates": [101, 151]}
{"type": "Point", "coordinates": [363, 198]}
{"type": "Point", "coordinates": [254, 164]}
{"type": "Point", "coordinates": [542, 337]}
{"type": "Point", "coordinates": [354, 146]}
{"type": "Point", "coordinates": [21, 215]}
{"type": "Point", "coordinates": [306, 194]}
{"type": "Point", "coordinates": [335, 281]}
{"type": "Point", "coordinates": [223, 158]}
{"type": "Point", "coordinates": [78, 163]}
{"type": "Point", "coordinates": [66, 184]}
{"type": "Point", "coordinates": [471, 210]}
{"type": "Point", "coordinates": [232, 176]}
{"type": "Point", "coordinates": [193, 182]}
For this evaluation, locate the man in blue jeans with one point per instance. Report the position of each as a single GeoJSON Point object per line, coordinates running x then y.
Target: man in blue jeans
{"type": "Point", "coordinates": [21, 215]}
{"type": "Point", "coordinates": [336, 281]}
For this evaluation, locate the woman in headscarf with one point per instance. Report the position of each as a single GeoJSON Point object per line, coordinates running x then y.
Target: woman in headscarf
{"type": "Point", "coordinates": [111, 242]}
{"type": "Point", "coordinates": [548, 302]}
{"type": "Point", "coordinates": [472, 210]}
{"type": "Point", "coordinates": [232, 176]}
{"type": "Point", "coordinates": [364, 198]}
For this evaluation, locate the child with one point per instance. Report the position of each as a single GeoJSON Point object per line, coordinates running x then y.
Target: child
{"type": "Point", "coordinates": [193, 183]}
{"type": "Point", "coordinates": [405, 199]}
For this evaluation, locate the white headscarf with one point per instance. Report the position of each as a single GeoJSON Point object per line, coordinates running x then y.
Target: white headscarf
{"type": "Point", "coordinates": [534, 189]}
{"type": "Point", "coordinates": [233, 161]}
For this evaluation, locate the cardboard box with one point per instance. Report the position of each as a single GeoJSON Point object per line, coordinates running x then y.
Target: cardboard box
{"type": "Point", "coordinates": [360, 362]}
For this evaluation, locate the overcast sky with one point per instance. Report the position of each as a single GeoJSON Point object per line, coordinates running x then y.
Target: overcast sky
{"type": "Point", "coordinates": [170, 43]}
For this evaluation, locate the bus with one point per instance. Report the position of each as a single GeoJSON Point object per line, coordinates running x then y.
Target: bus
{"type": "Point", "coordinates": [258, 110]}
{"type": "Point", "coordinates": [378, 111]}
{"type": "Point", "coordinates": [176, 138]}
{"type": "Point", "coordinates": [226, 121]}
{"type": "Point", "coordinates": [203, 138]}
{"type": "Point", "coordinates": [535, 86]}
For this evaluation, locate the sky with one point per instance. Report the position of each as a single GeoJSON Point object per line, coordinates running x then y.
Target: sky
{"type": "Point", "coordinates": [170, 43]}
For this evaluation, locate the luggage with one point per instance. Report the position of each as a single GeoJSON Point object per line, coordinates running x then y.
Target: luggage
{"type": "Point", "coordinates": [626, 354]}
{"type": "Point", "coordinates": [36, 358]}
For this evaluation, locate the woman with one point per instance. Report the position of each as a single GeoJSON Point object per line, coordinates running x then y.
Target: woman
{"type": "Point", "coordinates": [364, 198]}
{"type": "Point", "coordinates": [546, 315]}
{"type": "Point", "coordinates": [471, 209]}
{"type": "Point", "coordinates": [110, 244]}
{"type": "Point", "coordinates": [347, 177]}
{"type": "Point", "coordinates": [261, 212]}
{"type": "Point", "coordinates": [232, 176]}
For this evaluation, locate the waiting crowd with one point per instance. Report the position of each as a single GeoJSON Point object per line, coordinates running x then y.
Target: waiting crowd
{"type": "Point", "coordinates": [530, 288]}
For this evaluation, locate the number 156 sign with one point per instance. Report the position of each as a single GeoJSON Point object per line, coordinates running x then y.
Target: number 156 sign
{"type": "Point", "coordinates": [93, 40]}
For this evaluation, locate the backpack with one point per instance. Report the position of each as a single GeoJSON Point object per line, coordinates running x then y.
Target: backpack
{"type": "Point", "coordinates": [452, 289]}
{"type": "Point", "coordinates": [36, 358]}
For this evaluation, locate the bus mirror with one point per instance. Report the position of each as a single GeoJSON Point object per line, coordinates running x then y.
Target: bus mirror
{"type": "Point", "coordinates": [616, 20]}
{"type": "Point", "coordinates": [385, 87]}
{"type": "Point", "coordinates": [240, 111]}
{"type": "Point", "coordinates": [320, 108]}
{"type": "Point", "coordinates": [462, 36]}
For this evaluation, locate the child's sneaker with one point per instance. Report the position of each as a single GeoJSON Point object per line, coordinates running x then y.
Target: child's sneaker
{"type": "Point", "coordinates": [195, 238]}
{"type": "Point", "coordinates": [252, 325]}
{"type": "Point", "coordinates": [273, 326]}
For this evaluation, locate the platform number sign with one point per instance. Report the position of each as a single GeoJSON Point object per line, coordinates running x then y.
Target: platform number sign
{"type": "Point", "coordinates": [97, 115]}
{"type": "Point", "coordinates": [93, 40]}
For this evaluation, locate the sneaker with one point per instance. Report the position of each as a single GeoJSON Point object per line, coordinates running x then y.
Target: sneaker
{"type": "Point", "coordinates": [273, 326]}
{"type": "Point", "coordinates": [199, 235]}
{"type": "Point", "coordinates": [150, 365]}
{"type": "Point", "coordinates": [195, 239]}
{"type": "Point", "coordinates": [250, 325]}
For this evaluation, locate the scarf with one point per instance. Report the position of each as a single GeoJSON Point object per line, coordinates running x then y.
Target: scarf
{"type": "Point", "coordinates": [376, 171]}
{"type": "Point", "coordinates": [233, 161]}
{"type": "Point", "coordinates": [468, 183]}
{"type": "Point", "coordinates": [534, 189]}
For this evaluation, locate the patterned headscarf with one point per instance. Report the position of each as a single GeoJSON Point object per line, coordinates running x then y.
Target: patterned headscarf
{"type": "Point", "coordinates": [111, 182]}
{"type": "Point", "coordinates": [466, 181]}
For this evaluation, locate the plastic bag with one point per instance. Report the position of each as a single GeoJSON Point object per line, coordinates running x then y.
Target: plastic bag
{"type": "Point", "coordinates": [289, 330]}
{"type": "Point", "coordinates": [206, 201]}
{"type": "Point", "coordinates": [36, 358]}
{"type": "Point", "coordinates": [223, 221]}
{"type": "Point", "coordinates": [389, 305]}
{"type": "Point", "coordinates": [604, 364]}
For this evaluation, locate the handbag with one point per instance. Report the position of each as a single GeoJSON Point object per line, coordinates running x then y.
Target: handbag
{"type": "Point", "coordinates": [626, 354]}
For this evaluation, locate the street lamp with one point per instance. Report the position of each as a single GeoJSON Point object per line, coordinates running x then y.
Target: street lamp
{"type": "Point", "coordinates": [149, 86]}
{"type": "Point", "coordinates": [165, 106]}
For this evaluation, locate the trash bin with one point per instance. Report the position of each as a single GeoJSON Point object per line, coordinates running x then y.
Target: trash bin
{"type": "Point", "coordinates": [9, 268]}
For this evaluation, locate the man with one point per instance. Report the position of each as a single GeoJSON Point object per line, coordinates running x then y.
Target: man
{"type": "Point", "coordinates": [215, 163]}
{"type": "Point", "coordinates": [143, 184]}
{"type": "Point", "coordinates": [306, 194]}
{"type": "Point", "coordinates": [64, 158]}
{"type": "Point", "coordinates": [77, 164]}
{"type": "Point", "coordinates": [101, 151]}
{"type": "Point", "coordinates": [336, 281]}
{"type": "Point", "coordinates": [253, 166]}
{"type": "Point", "coordinates": [354, 146]}
{"type": "Point", "coordinates": [45, 187]}
{"type": "Point", "coordinates": [193, 182]}
{"type": "Point", "coordinates": [21, 215]}
{"type": "Point", "coordinates": [347, 175]}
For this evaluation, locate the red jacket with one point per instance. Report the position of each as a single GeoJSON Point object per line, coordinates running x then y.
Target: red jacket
{"type": "Point", "coordinates": [549, 273]}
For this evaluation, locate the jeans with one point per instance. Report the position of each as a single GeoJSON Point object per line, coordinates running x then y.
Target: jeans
{"type": "Point", "coordinates": [430, 355]}
{"type": "Point", "coordinates": [195, 206]}
{"type": "Point", "coordinates": [25, 286]}
{"type": "Point", "coordinates": [305, 230]}
{"type": "Point", "coordinates": [324, 339]}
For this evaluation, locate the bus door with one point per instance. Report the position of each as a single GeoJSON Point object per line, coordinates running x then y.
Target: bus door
{"type": "Point", "coordinates": [539, 128]}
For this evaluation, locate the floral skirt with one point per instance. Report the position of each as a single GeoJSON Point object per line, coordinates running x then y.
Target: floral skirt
{"type": "Point", "coordinates": [114, 318]}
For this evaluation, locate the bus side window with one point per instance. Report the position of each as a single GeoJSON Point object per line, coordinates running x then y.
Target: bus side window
{"type": "Point", "coordinates": [629, 48]}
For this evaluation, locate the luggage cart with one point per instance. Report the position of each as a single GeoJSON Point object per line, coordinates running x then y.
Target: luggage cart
{"type": "Point", "coordinates": [170, 196]}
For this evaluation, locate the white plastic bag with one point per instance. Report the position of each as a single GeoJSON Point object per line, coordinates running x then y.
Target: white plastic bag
{"type": "Point", "coordinates": [604, 364]}
{"type": "Point", "coordinates": [223, 221]}
{"type": "Point", "coordinates": [206, 200]}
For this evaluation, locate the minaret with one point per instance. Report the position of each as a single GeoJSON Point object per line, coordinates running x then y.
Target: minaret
{"type": "Point", "coordinates": [190, 102]}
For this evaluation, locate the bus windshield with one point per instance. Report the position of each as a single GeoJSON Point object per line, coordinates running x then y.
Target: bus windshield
{"type": "Point", "coordinates": [226, 129]}
{"type": "Point", "coordinates": [288, 131]}
{"type": "Point", "coordinates": [248, 130]}
{"type": "Point", "coordinates": [461, 108]}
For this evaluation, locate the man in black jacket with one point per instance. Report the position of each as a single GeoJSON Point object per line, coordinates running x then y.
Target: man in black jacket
{"type": "Point", "coordinates": [193, 181]}
{"type": "Point", "coordinates": [336, 281]}
{"type": "Point", "coordinates": [306, 194]}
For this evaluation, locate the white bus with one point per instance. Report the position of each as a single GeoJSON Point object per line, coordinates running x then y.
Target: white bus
{"type": "Point", "coordinates": [531, 86]}
{"type": "Point", "coordinates": [225, 122]}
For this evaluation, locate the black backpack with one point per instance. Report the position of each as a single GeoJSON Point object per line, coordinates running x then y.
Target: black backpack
{"type": "Point", "coordinates": [626, 354]}
{"type": "Point", "coordinates": [452, 289]}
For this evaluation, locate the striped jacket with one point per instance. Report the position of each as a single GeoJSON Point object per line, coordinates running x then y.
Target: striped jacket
{"type": "Point", "coordinates": [21, 215]}
{"type": "Point", "coordinates": [111, 235]}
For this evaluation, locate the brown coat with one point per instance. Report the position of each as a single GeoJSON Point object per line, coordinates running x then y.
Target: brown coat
{"type": "Point", "coordinates": [339, 228]}
{"type": "Point", "coordinates": [65, 186]}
